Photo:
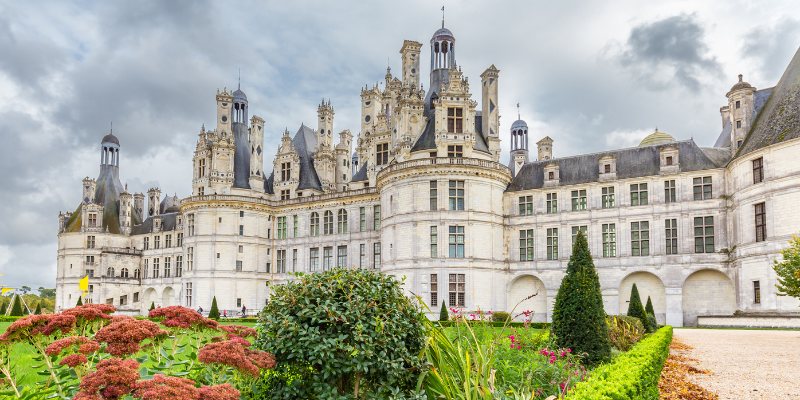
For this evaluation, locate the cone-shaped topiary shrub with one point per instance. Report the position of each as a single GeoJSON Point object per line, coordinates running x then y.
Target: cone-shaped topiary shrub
{"type": "Point", "coordinates": [579, 321]}
{"type": "Point", "coordinates": [38, 309]}
{"type": "Point", "coordinates": [152, 306]}
{"type": "Point", "coordinates": [16, 307]}
{"type": "Point", "coordinates": [651, 316]}
{"type": "Point", "coordinates": [80, 301]}
{"type": "Point", "coordinates": [649, 307]}
{"type": "Point", "coordinates": [443, 314]}
{"type": "Point", "coordinates": [213, 313]}
{"type": "Point", "coordinates": [636, 309]}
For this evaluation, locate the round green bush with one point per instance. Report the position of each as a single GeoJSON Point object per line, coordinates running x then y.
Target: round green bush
{"type": "Point", "coordinates": [355, 329]}
{"type": "Point", "coordinates": [501, 316]}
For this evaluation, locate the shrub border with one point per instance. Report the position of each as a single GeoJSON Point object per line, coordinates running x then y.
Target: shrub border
{"type": "Point", "coordinates": [631, 375]}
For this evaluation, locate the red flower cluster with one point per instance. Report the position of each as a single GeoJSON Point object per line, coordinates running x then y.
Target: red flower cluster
{"type": "Point", "coordinates": [84, 345]}
{"type": "Point", "coordinates": [73, 360]}
{"type": "Point", "coordinates": [182, 317]}
{"type": "Point", "coordinates": [232, 353]}
{"type": "Point", "coordinates": [32, 325]}
{"type": "Point", "coordinates": [113, 379]}
{"type": "Point", "coordinates": [124, 334]}
{"type": "Point", "coordinates": [166, 388]}
{"type": "Point", "coordinates": [238, 330]}
{"type": "Point", "coordinates": [219, 392]}
{"type": "Point", "coordinates": [91, 312]}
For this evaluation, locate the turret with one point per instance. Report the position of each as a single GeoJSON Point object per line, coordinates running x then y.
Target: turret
{"type": "Point", "coordinates": [741, 106]}
{"type": "Point", "coordinates": [490, 113]}
{"type": "Point", "coordinates": [354, 163]}
{"type": "Point", "coordinates": [241, 134]}
{"type": "Point", "coordinates": [519, 145]}
{"type": "Point", "coordinates": [125, 212]}
{"type": "Point", "coordinates": [89, 188]}
{"type": "Point", "coordinates": [153, 201]}
{"type": "Point", "coordinates": [343, 149]}
{"type": "Point", "coordinates": [325, 126]}
{"type": "Point", "coordinates": [138, 205]}
{"type": "Point", "coordinates": [224, 113]}
{"type": "Point", "coordinates": [409, 54]}
{"type": "Point", "coordinates": [257, 153]}
{"type": "Point", "coordinates": [544, 149]}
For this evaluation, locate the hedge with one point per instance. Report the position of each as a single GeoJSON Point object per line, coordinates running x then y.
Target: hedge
{"type": "Point", "coordinates": [534, 325]}
{"type": "Point", "coordinates": [8, 318]}
{"type": "Point", "coordinates": [631, 375]}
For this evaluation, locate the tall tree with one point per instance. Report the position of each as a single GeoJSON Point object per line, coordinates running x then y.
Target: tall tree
{"type": "Point", "coordinates": [579, 321]}
{"type": "Point", "coordinates": [649, 307]}
{"type": "Point", "coordinates": [25, 289]}
{"type": "Point", "coordinates": [80, 301]}
{"type": "Point", "coordinates": [213, 313]}
{"type": "Point", "coordinates": [16, 307]}
{"type": "Point", "coordinates": [788, 269]}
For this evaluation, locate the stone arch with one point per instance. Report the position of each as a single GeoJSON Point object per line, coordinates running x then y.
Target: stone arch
{"type": "Point", "coordinates": [649, 285]}
{"type": "Point", "coordinates": [707, 292]}
{"type": "Point", "coordinates": [522, 287]}
{"type": "Point", "coordinates": [168, 297]}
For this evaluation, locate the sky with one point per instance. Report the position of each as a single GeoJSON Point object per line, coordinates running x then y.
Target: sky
{"type": "Point", "coordinates": [591, 75]}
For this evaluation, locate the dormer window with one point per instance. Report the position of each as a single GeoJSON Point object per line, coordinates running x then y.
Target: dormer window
{"type": "Point", "coordinates": [455, 151]}
{"type": "Point", "coordinates": [286, 171]}
{"type": "Point", "coordinates": [607, 168]}
{"type": "Point", "coordinates": [669, 160]}
{"type": "Point", "coordinates": [455, 120]}
{"type": "Point", "coordinates": [551, 176]}
{"type": "Point", "coordinates": [382, 154]}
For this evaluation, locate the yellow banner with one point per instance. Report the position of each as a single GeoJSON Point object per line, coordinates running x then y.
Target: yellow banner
{"type": "Point", "coordinates": [6, 290]}
{"type": "Point", "coordinates": [83, 284]}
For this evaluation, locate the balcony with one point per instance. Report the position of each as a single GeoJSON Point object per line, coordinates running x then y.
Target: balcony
{"type": "Point", "coordinates": [122, 250]}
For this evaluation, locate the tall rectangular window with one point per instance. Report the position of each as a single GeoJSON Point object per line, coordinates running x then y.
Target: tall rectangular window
{"type": "Point", "coordinates": [362, 219]}
{"type": "Point", "coordinates": [188, 292]}
{"type": "Point", "coordinates": [341, 256]}
{"type": "Point", "coordinates": [167, 241]}
{"type": "Point", "coordinates": [280, 261]}
{"type": "Point", "coordinates": [314, 224]}
{"type": "Point", "coordinates": [167, 267]}
{"type": "Point", "coordinates": [669, 191]}
{"type": "Point", "coordinates": [526, 205]}
{"type": "Point", "coordinates": [294, 260]}
{"type": "Point", "coordinates": [761, 221]}
{"type": "Point", "coordinates": [382, 154]}
{"type": "Point", "coordinates": [455, 120]}
{"type": "Point", "coordinates": [241, 230]}
{"type": "Point", "coordinates": [189, 258]}
{"type": "Point", "coordinates": [639, 194]}
{"type": "Point", "coordinates": [240, 266]}
{"type": "Point", "coordinates": [757, 292]}
{"type": "Point", "coordinates": [178, 266]}
{"type": "Point", "coordinates": [281, 228]}
{"type": "Point", "coordinates": [434, 290]}
{"type": "Point", "coordinates": [92, 220]}
{"type": "Point", "coordinates": [671, 235]}
{"type": "Point", "coordinates": [552, 243]}
{"type": "Point", "coordinates": [156, 268]}
{"type": "Point", "coordinates": [704, 234]}
{"type": "Point", "coordinates": [551, 203]}
{"type": "Point", "coordinates": [190, 224]}
{"type": "Point", "coordinates": [295, 226]}
{"type": "Point", "coordinates": [327, 258]}
{"type": "Point", "coordinates": [376, 217]}
{"type": "Point", "coordinates": [758, 170]}
{"type": "Point", "coordinates": [456, 195]}
{"type": "Point", "coordinates": [286, 171]}
{"type": "Point", "coordinates": [457, 290]}
{"type": "Point", "coordinates": [147, 243]}
{"type": "Point", "coordinates": [341, 221]}
{"type": "Point", "coordinates": [362, 255]}
{"type": "Point", "coordinates": [179, 240]}
{"type": "Point", "coordinates": [434, 241]}
{"type": "Point", "coordinates": [313, 259]}
{"type": "Point", "coordinates": [456, 241]}
{"type": "Point", "coordinates": [609, 240]}
{"type": "Point", "coordinates": [526, 245]}
{"type": "Point", "coordinates": [286, 194]}
{"type": "Point", "coordinates": [90, 242]}
{"type": "Point", "coordinates": [434, 195]}
{"type": "Point", "coordinates": [640, 238]}
{"type": "Point", "coordinates": [579, 228]}
{"type": "Point", "coordinates": [157, 242]}
{"type": "Point", "coordinates": [376, 255]}
{"type": "Point", "coordinates": [579, 200]}
{"type": "Point", "coordinates": [702, 188]}
{"type": "Point", "coordinates": [327, 222]}
{"type": "Point", "coordinates": [455, 151]}
{"type": "Point", "coordinates": [608, 197]}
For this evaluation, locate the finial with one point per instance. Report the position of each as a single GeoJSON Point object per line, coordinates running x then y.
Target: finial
{"type": "Point", "coordinates": [656, 129]}
{"type": "Point", "coordinates": [239, 84]}
{"type": "Point", "coordinates": [518, 115]}
{"type": "Point", "coordinates": [112, 127]}
{"type": "Point", "coordinates": [442, 17]}
{"type": "Point", "coordinates": [740, 77]}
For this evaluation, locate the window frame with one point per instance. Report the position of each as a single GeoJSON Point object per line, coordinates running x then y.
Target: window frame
{"type": "Point", "coordinates": [608, 197]}
{"type": "Point", "coordinates": [639, 190]}
{"type": "Point", "coordinates": [456, 238]}
{"type": "Point", "coordinates": [640, 238]}
{"type": "Point", "coordinates": [702, 238]}
{"type": "Point", "coordinates": [456, 195]}
{"type": "Point", "coordinates": [609, 239]}
{"type": "Point", "coordinates": [526, 245]}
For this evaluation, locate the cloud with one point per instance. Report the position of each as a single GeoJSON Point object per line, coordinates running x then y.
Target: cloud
{"type": "Point", "coordinates": [670, 49]}
{"type": "Point", "coordinates": [626, 138]}
{"type": "Point", "coordinates": [772, 47]}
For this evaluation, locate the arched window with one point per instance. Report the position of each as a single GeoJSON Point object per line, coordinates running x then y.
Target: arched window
{"type": "Point", "coordinates": [314, 224]}
{"type": "Point", "coordinates": [328, 223]}
{"type": "Point", "coordinates": [123, 273]}
{"type": "Point", "coordinates": [110, 272]}
{"type": "Point", "coordinates": [136, 273]}
{"type": "Point", "coordinates": [341, 221]}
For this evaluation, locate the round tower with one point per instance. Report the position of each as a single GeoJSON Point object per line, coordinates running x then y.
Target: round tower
{"type": "Point", "coordinates": [519, 145]}
{"type": "Point", "coordinates": [741, 104]}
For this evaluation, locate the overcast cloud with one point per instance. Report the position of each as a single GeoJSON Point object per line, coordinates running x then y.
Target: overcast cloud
{"type": "Point", "coordinates": [591, 75]}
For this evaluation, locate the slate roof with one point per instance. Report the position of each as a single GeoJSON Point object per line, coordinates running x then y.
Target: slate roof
{"type": "Point", "coordinates": [168, 223]}
{"type": "Point", "coordinates": [427, 140]}
{"type": "Point", "coordinates": [631, 163]}
{"type": "Point", "coordinates": [361, 175]}
{"type": "Point", "coordinates": [269, 184]}
{"type": "Point", "coordinates": [779, 119]}
{"type": "Point", "coordinates": [761, 96]}
{"type": "Point", "coordinates": [107, 195]}
{"type": "Point", "coordinates": [305, 142]}
{"type": "Point", "coordinates": [241, 157]}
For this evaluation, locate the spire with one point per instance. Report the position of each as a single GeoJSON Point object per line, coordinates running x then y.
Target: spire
{"type": "Point", "coordinates": [239, 84]}
{"type": "Point", "coordinates": [112, 125]}
{"type": "Point", "coordinates": [518, 114]}
{"type": "Point", "coordinates": [442, 16]}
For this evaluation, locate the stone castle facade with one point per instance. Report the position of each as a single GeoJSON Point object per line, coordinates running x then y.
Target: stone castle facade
{"type": "Point", "coordinates": [425, 197]}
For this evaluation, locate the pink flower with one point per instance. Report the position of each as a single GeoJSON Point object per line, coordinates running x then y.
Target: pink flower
{"type": "Point", "coordinates": [219, 392]}
{"type": "Point", "coordinates": [113, 379]}
{"type": "Point", "coordinates": [73, 360]}
{"type": "Point", "coordinates": [166, 387]}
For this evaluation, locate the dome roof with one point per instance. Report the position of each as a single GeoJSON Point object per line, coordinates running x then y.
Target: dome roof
{"type": "Point", "coordinates": [110, 138]}
{"type": "Point", "coordinates": [355, 156]}
{"type": "Point", "coordinates": [740, 85]}
{"type": "Point", "coordinates": [443, 34]}
{"type": "Point", "coordinates": [656, 138]}
{"type": "Point", "coordinates": [170, 204]}
{"type": "Point", "coordinates": [239, 95]}
{"type": "Point", "coordinates": [519, 124]}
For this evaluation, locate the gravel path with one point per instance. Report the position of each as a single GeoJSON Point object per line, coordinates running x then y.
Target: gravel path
{"type": "Point", "coordinates": [746, 364]}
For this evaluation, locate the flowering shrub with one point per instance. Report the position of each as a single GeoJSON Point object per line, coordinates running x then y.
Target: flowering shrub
{"type": "Point", "coordinates": [86, 353]}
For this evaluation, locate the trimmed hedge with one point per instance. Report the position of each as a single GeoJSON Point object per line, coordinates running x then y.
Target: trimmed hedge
{"type": "Point", "coordinates": [534, 325]}
{"type": "Point", "coordinates": [631, 375]}
{"type": "Point", "coordinates": [7, 318]}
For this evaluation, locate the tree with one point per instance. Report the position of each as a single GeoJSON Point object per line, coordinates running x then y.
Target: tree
{"type": "Point", "coordinates": [649, 307]}
{"type": "Point", "coordinates": [579, 321]}
{"type": "Point", "coordinates": [47, 293]}
{"type": "Point", "coordinates": [152, 306]}
{"type": "Point", "coordinates": [25, 289]}
{"type": "Point", "coordinates": [38, 309]}
{"type": "Point", "coordinates": [80, 301]}
{"type": "Point", "coordinates": [213, 313]}
{"type": "Point", "coordinates": [354, 330]}
{"type": "Point", "coordinates": [652, 325]}
{"type": "Point", "coordinates": [788, 270]}
{"type": "Point", "coordinates": [443, 314]}
{"type": "Point", "coordinates": [16, 307]}
{"type": "Point", "coordinates": [635, 307]}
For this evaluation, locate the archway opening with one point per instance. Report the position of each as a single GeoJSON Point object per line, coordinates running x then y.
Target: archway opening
{"type": "Point", "coordinates": [707, 292]}
{"type": "Point", "coordinates": [648, 285]}
{"type": "Point", "coordinates": [519, 298]}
